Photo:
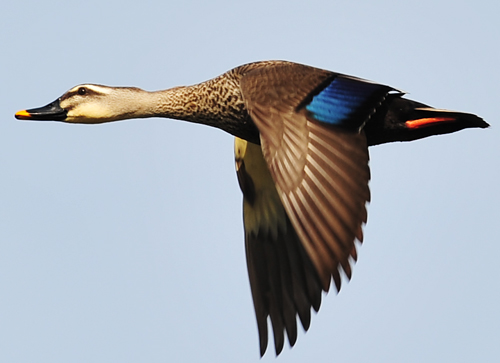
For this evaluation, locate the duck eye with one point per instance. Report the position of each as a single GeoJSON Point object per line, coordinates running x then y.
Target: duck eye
{"type": "Point", "coordinates": [82, 91]}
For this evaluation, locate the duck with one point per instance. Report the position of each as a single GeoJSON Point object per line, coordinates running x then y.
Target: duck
{"type": "Point", "coordinates": [301, 154]}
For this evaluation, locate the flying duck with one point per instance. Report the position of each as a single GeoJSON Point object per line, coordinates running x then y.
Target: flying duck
{"type": "Point", "coordinates": [301, 152]}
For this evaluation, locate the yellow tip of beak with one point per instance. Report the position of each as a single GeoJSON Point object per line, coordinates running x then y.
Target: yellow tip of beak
{"type": "Point", "coordinates": [23, 115]}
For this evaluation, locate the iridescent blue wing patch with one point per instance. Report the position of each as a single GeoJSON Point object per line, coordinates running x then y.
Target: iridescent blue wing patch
{"type": "Point", "coordinates": [347, 102]}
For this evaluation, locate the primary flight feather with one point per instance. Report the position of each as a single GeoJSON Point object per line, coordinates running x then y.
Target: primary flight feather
{"type": "Point", "coordinates": [301, 150]}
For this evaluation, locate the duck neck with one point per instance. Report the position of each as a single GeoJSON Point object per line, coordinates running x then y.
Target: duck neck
{"type": "Point", "coordinates": [216, 103]}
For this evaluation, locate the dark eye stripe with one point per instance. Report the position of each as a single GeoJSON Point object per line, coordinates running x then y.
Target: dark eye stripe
{"type": "Point", "coordinates": [87, 92]}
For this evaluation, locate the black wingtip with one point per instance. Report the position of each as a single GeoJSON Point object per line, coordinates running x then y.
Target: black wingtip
{"type": "Point", "coordinates": [263, 348]}
{"type": "Point", "coordinates": [263, 337]}
{"type": "Point", "coordinates": [279, 341]}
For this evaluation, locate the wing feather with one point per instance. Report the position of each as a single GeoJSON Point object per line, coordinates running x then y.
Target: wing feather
{"type": "Point", "coordinates": [320, 174]}
{"type": "Point", "coordinates": [283, 280]}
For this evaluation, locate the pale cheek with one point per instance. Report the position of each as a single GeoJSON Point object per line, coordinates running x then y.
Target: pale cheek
{"type": "Point", "coordinates": [89, 112]}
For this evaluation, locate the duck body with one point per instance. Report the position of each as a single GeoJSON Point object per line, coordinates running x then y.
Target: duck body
{"type": "Point", "coordinates": [301, 150]}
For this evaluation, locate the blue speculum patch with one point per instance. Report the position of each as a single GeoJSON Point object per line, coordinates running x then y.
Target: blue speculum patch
{"type": "Point", "coordinates": [344, 101]}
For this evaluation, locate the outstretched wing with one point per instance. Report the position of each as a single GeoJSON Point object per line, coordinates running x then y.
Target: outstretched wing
{"type": "Point", "coordinates": [283, 280]}
{"type": "Point", "coordinates": [309, 122]}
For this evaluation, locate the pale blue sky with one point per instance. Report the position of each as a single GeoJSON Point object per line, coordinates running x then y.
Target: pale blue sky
{"type": "Point", "coordinates": [124, 243]}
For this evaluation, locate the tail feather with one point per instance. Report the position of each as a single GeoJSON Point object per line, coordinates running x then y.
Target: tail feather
{"type": "Point", "coordinates": [400, 119]}
{"type": "Point", "coordinates": [434, 115]}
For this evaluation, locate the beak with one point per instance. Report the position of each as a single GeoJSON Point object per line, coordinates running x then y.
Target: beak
{"type": "Point", "coordinates": [51, 112]}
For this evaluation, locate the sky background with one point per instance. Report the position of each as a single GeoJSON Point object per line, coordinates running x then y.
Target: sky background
{"type": "Point", "coordinates": [123, 242]}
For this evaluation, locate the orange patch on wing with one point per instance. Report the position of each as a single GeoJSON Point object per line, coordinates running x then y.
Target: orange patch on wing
{"type": "Point", "coordinates": [423, 122]}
